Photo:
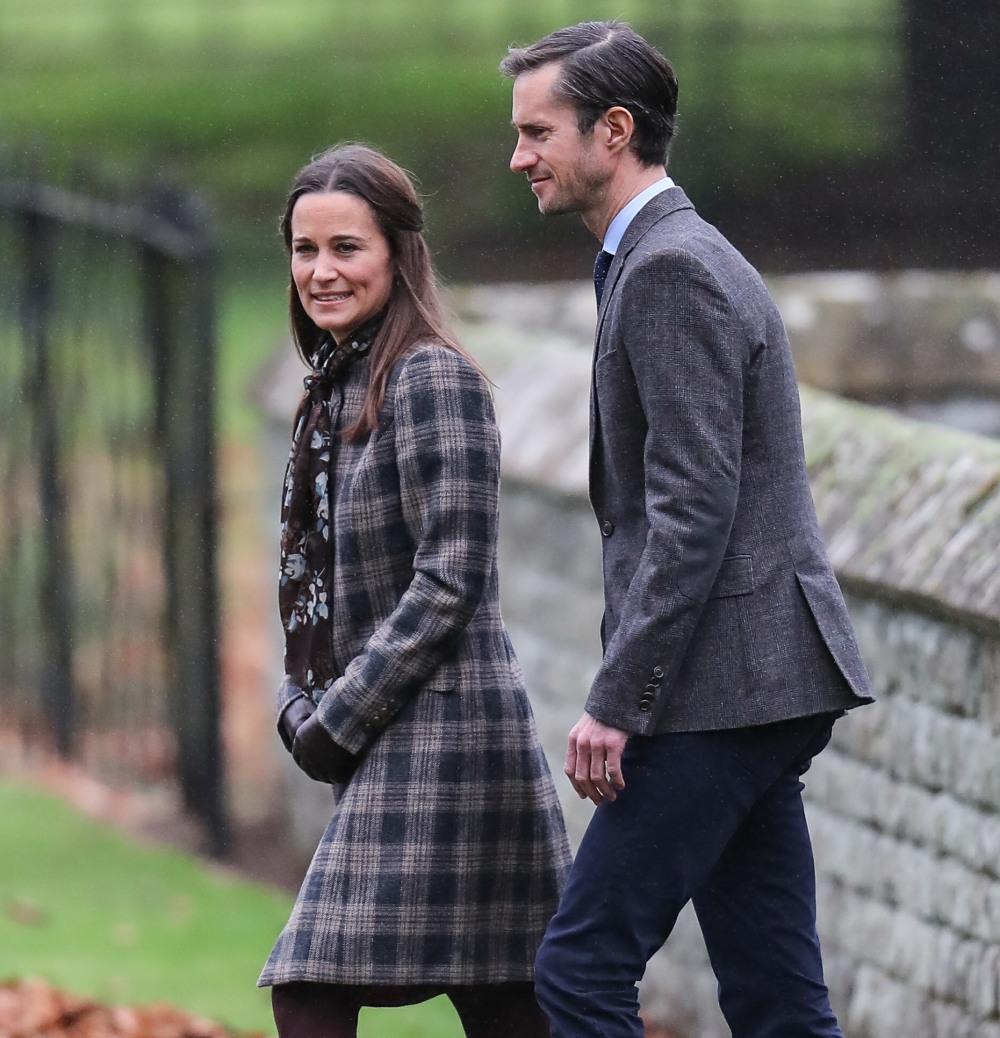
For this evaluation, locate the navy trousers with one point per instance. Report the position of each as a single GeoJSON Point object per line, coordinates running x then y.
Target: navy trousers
{"type": "Point", "coordinates": [715, 818]}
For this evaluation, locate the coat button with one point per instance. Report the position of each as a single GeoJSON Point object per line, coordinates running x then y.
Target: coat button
{"type": "Point", "coordinates": [607, 528]}
{"type": "Point", "coordinates": [645, 705]}
{"type": "Point", "coordinates": [657, 672]}
{"type": "Point", "coordinates": [652, 689]}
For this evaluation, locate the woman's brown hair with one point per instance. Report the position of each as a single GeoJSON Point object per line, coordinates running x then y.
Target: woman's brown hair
{"type": "Point", "coordinates": [415, 312]}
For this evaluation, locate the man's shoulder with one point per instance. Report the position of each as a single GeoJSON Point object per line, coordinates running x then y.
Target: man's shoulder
{"type": "Point", "coordinates": [683, 230]}
{"type": "Point", "coordinates": [683, 238]}
{"type": "Point", "coordinates": [682, 248]}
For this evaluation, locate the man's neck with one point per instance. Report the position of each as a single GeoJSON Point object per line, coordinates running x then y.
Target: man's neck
{"type": "Point", "coordinates": [621, 190]}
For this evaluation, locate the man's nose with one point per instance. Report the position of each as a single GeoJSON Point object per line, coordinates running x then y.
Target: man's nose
{"type": "Point", "coordinates": [522, 158]}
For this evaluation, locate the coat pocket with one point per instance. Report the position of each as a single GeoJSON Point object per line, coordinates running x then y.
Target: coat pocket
{"type": "Point", "coordinates": [445, 678]}
{"type": "Point", "coordinates": [735, 577]}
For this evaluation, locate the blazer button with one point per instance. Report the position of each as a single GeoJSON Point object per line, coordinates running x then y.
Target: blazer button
{"type": "Point", "coordinates": [652, 689]}
{"type": "Point", "coordinates": [657, 672]}
{"type": "Point", "coordinates": [645, 704]}
{"type": "Point", "coordinates": [607, 528]}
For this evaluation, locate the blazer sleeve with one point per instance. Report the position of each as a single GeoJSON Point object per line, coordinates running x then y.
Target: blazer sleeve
{"type": "Point", "coordinates": [448, 467]}
{"type": "Point", "coordinates": [688, 353]}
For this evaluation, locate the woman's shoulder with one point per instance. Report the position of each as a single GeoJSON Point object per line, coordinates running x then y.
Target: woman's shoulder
{"type": "Point", "coordinates": [437, 363]}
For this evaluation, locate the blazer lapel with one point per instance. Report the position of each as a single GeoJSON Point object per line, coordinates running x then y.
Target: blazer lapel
{"type": "Point", "coordinates": [656, 209]}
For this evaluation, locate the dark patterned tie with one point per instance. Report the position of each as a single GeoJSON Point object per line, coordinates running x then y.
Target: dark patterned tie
{"type": "Point", "coordinates": [601, 265]}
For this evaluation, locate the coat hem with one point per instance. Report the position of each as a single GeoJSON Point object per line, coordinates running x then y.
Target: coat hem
{"type": "Point", "coordinates": [444, 979]}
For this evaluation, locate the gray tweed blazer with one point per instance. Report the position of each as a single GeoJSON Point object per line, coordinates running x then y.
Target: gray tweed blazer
{"type": "Point", "coordinates": [446, 853]}
{"type": "Point", "coordinates": [721, 608]}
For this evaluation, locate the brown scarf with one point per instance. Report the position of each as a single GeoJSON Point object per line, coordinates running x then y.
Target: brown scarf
{"type": "Point", "coordinates": [304, 584]}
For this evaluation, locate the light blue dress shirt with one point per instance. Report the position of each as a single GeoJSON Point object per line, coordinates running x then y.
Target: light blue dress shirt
{"type": "Point", "coordinates": [619, 225]}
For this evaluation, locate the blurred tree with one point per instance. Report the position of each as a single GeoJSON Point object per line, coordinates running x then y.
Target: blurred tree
{"type": "Point", "coordinates": [953, 83]}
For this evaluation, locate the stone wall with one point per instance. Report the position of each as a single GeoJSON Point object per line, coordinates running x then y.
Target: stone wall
{"type": "Point", "coordinates": [905, 336]}
{"type": "Point", "coordinates": [905, 804]}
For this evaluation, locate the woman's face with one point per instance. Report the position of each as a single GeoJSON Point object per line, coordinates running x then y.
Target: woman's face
{"type": "Point", "coordinates": [341, 262]}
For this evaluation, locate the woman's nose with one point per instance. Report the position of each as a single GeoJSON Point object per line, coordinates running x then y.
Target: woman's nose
{"type": "Point", "coordinates": [327, 267]}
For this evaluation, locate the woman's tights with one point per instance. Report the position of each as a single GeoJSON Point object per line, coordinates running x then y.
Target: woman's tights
{"type": "Point", "coordinates": [331, 1011]}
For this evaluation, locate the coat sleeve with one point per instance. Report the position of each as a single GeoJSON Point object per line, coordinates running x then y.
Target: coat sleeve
{"type": "Point", "coordinates": [448, 468]}
{"type": "Point", "coordinates": [687, 352]}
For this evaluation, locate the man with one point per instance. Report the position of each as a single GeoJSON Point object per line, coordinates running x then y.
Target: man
{"type": "Point", "coordinates": [728, 652]}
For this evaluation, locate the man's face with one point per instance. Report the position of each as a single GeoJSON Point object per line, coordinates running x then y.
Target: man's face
{"type": "Point", "coordinates": [565, 168]}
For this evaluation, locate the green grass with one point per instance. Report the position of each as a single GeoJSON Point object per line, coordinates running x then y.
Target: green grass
{"type": "Point", "coordinates": [93, 912]}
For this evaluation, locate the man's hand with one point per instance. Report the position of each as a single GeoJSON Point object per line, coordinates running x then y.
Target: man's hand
{"type": "Point", "coordinates": [594, 759]}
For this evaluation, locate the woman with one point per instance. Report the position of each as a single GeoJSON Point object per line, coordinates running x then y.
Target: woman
{"type": "Point", "coordinates": [446, 853]}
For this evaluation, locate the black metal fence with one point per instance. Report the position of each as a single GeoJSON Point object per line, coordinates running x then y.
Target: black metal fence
{"type": "Point", "coordinates": [108, 612]}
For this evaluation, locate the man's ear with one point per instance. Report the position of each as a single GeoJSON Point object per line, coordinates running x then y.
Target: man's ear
{"type": "Point", "coordinates": [616, 128]}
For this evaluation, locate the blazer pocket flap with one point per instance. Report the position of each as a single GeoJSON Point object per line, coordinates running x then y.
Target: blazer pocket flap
{"type": "Point", "coordinates": [445, 678]}
{"type": "Point", "coordinates": [735, 577]}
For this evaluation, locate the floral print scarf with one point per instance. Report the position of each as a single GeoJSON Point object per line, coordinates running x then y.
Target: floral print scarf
{"type": "Point", "coordinates": [303, 595]}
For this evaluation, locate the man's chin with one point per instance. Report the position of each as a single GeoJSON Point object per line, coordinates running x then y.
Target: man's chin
{"type": "Point", "coordinates": [556, 207]}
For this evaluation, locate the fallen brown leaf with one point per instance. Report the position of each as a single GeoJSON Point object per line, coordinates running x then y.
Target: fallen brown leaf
{"type": "Point", "coordinates": [25, 912]}
{"type": "Point", "coordinates": [33, 1008]}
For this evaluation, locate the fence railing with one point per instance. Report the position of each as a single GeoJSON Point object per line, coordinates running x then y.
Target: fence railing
{"type": "Point", "coordinates": [108, 611]}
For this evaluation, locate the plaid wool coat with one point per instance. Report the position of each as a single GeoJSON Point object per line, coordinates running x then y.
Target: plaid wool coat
{"type": "Point", "coordinates": [446, 852]}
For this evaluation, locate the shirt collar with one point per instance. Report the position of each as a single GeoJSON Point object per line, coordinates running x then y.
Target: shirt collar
{"type": "Point", "coordinates": [619, 225]}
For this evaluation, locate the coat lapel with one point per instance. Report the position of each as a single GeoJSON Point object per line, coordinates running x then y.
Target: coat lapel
{"type": "Point", "coordinates": [652, 212]}
{"type": "Point", "coordinates": [656, 209]}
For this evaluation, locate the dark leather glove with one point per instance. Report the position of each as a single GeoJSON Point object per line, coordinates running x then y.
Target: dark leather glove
{"type": "Point", "coordinates": [292, 716]}
{"type": "Point", "coordinates": [316, 753]}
